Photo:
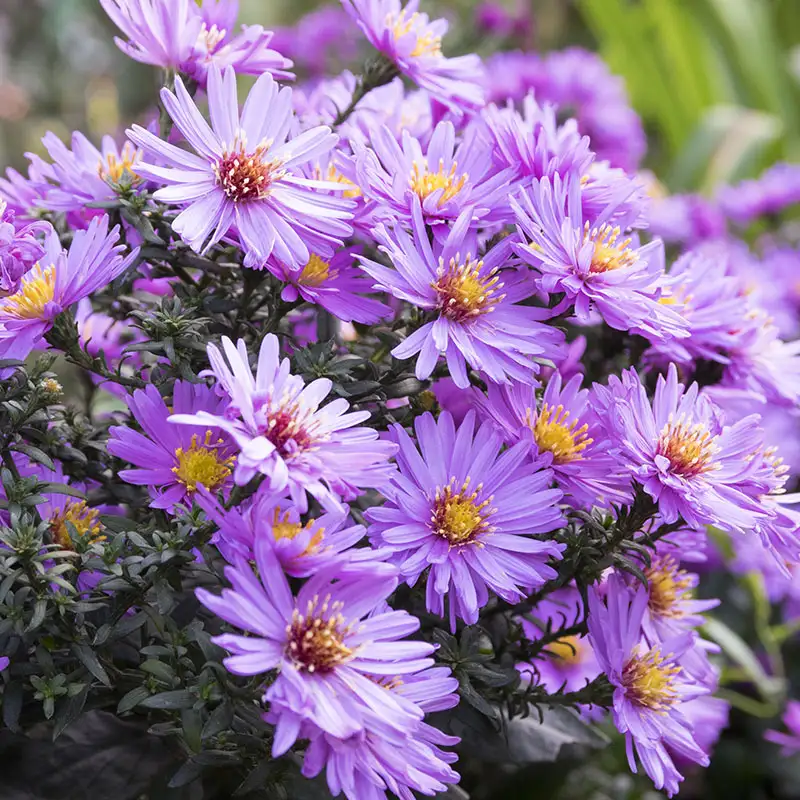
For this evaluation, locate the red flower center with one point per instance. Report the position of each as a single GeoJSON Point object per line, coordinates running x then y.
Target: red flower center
{"type": "Point", "coordinates": [247, 176]}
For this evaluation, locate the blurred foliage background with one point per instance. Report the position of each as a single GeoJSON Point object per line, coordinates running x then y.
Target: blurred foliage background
{"type": "Point", "coordinates": [717, 83]}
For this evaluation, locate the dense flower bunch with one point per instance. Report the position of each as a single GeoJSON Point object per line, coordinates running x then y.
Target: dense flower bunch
{"type": "Point", "coordinates": [407, 408]}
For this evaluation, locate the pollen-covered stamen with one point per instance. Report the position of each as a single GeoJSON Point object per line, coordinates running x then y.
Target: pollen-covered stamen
{"type": "Point", "coordinates": [36, 291]}
{"type": "Point", "coordinates": [609, 253]}
{"type": "Point", "coordinates": [115, 170]}
{"type": "Point", "coordinates": [554, 433]}
{"type": "Point", "coordinates": [210, 39]}
{"type": "Point", "coordinates": [689, 448]}
{"type": "Point", "coordinates": [457, 514]}
{"type": "Point", "coordinates": [427, 44]}
{"type": "Point", "coordinates": [649, 680]}
{"type": "Point", "coordinates": [316, 640]}
{"type": "Point", "coordinates": [463, 292]}
{"type": "Point", "coordinates": [284, 528]}
{"type": "Point", "coordinates": [290, 428]}
{"type": "Point", "coordinates": [247, 176]}
{"type": "Point", "coordinates": [316, 272]}
{"type": "Point", "coordinates": [567, 650]}
{"type": "Point", "coordinates": [201, 464]}
{"type": "Point", "coordinates": [84, 519]}
{"type": "Point", "coordinates": [424, 183]}
{"type": "Point", "coordinates": [667, 584]}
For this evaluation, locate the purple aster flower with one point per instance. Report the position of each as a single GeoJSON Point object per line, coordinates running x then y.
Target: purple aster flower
{"type": "Point", "coordinates": [20, 249]}
{"type": "Point", "coordinates": [190, 37]}
{"type": "Point", "coordinates": [478, 321]}
{"type": "Point", "coordinates": [174, 461]}
{"type": "Point", "coordinates": [533, 144]}
{"type": "Point", "coordinates": [281, 431]}
{"type": "Point", "coordinates": [366, 767]}
{"type": "Point", "coordinates": [4, 662]}
{"type": "Point", "coordinates": [713, 303]}
{"type": "Point", "coordinates": [774, 190]}
{"type": "Point", "coordinates": [591, 263]}
{"type": "Point", "coordinates": [445, 177]}
{"type": "Point", "coordinates": [682, 454]}
{"type": "Point", "coordinates": [413, 43]}
{"type": "Point", "coordinates": [568, 663]}
{"type": "Point", "coordinates": [23, 195]}
{"type": "Point", "coordinates": [686, 219]}
{"type": "Point", "coordinates": [319, 41]}
{"type": "Point", "coordinates": [709, 717]}
{"type": "Point", "coordinates": [563, 434]}
{"type": "Point", "coordinates": [86, 174]}
{"type": "Point", "coordinates": [789, 742]}
{"type": "Point", "coordinates": [325, 645]}
{"type": "Point", "coordinates": [336, 284]}
{"type": "Point", "coordinates": [243, 175]}
{"type": "Point", "coordinates": [650, 687]}
{"type": "Point", "coordinates": [463, 509]}
{"type": "Point", "coordinates": [302, 548]}
{"type": "Point", "coordinates": [60, 279]}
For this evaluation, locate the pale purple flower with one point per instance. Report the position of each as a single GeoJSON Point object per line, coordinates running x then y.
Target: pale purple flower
{"type": "Point", "coordinates": [190, 37]}
{"type": "Point", "coordinates": [174, 461]}
{"type": "Point", "coordinates": [467, 511]}
{"type": "Point", "coordinates": [283, 433]}
{"type": "Point", "coordinates": [563, 433]}
{"type": "Point", "coordinates": [413, 43]}
{"type": "Point", "coordinates": [595, 265]}
{"type": "Point", "coordinates": [445, 177]}
{"type": "Point", "coordinates": [60, 279]}
{"type": "Point", "coordinates": [678, 448]}
{"type": "Point", "coordinates": [475, 299]}
{"type": "Point", "coordinates": [650, 687]}
{"type": "Point", "coordinates": [772, 192]}
{"type": "Point", "coordinates": [20, 248]}
{"type": "Point", "coordinates": [789, 742]}
{"type": "Point", "coordinates": [326, 645]}
{"type": "Point", "coordinates": [243, 177]}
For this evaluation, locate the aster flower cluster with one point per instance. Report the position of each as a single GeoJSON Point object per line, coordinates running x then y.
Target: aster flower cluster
{"type": "Point", "coordinates": [396, 418]}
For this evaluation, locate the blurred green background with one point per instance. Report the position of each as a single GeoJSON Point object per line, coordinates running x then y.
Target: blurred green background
{"type": "Point", "coordinates": [716, 81]}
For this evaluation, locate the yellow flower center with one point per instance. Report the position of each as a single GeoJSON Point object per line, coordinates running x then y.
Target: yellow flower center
{"type": "Point", "coordinates": [689, 448]}
{"type": "Point", "coordinates": [426, 45]}
{"type": "Point", "coordinates": [609, 254]}
{"type": "Point", "coordinates": [201, 465]}
{"type": "Point", "coordinates": [36, 291]}
{"type": "Point", "coordinates": [554, 432]}
{"type": "Point", "coordinates": [666, 584]}
{"type": "Point", "coordinates": [284, 528]}
{"type": "Point", "coordinates": [315, 272]}
{"type": "Point", "coordinates": [458, 516]}
{"type": "Point", "coordinates": [649, 680]}
{"type": "Point", "coordinates": [84, 519]}
{"type": "Point", "coordinates": [335, 176]}
{"type": "Point", "coordinates": [316, 641]}
{"type": "Point", "coordinates": [247, 176]}
{"type": "Point", "coordinates": [424, 183]}
{"type": "Point", "coordinates": [463, 292]}
{"type": "Point", "coordinates": [568, 650]}
{"type": "Point", "coordinates": [114, 169]}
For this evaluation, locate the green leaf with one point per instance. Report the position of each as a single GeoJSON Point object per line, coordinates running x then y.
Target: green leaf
{"type": "Point", "coordinates": [170, 700]}
{"type": "Point", "coordinates": [220, 719]}
{"type": "Point", "coordinates": [34, 454]}
{"type": "Point", "coordinates": [89, 659]}
{"type": "Point", "coordinates": [69, 710]}
{"type": "Point", "coordinates": [12, 705]}
{"type": "Point", "coordinates": [132, 699]}
{"type": "Point", "coordinates": [59, 488]}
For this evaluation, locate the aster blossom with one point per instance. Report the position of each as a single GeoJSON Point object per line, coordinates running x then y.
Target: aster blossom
{"type": "Point", "coordinates": [325, 645]}
{"type": "Point", "coordinates": [682, 453]}
{"type": "Point", "coordinates": [564, 434]}
{"type": "Point", "coordinates": [20, 248]}
{"type": "Point", "coordinates": [650, 686]}
{"type": "Point", "coordinates": [413, 43]}
{"type": "Point", "coordinates": [789, 742]}
{"type": "Point", "coordinates": [189, 37]}
{"type": "Point", "coordinates": [478, 321]}
{"type": "Point", "coordinates": [590, 262]}
{"type": "Point", "coordinates": [464, 509]}
{"type": "Point", "coordinates": [282, 432]}
{"type": "Point", "coordinates": [173, 461]}
{"type": "Point", "coordinates": [445, 176]}
{"type": "Point", "coordinates": [243, 177]}
{"type": "Point", "coordinates": [60, 279]}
